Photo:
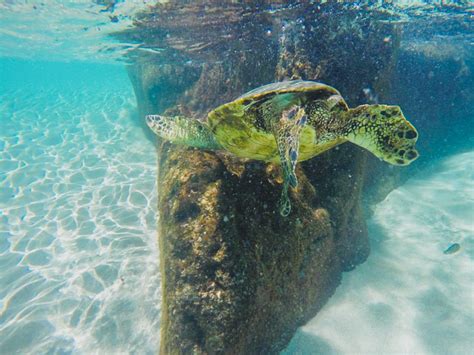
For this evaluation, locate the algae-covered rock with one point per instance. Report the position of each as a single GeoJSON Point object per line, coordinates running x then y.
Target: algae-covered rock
{"type": "Point", "coordinates": [234, 270]}
{"type": "Point", "coordinates": [237, 277]}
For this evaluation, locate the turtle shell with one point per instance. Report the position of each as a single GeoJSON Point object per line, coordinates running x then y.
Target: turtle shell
{"type": "Point", "coordinates": [237, 125]}
{"type": "Point", "coordinates": [293, 86]}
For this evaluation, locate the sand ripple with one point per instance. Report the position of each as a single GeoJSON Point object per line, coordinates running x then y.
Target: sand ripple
{"type": "Point", "coordinates": [78, 256]}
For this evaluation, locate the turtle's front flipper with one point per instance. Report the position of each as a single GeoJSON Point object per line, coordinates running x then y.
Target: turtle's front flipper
{"type": "Point", "coordinates": [183, 130]}
{"type": "Point", "coordinates": [287, 134]}
{"type": "Point", "coordinates": [384, 131]}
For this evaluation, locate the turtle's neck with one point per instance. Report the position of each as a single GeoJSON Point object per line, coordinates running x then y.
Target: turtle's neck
{"type": "Point", "coordinates": [329, 123]}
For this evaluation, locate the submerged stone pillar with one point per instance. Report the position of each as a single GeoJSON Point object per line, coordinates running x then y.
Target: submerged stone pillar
{"type": "Point", "coordinates": [237, 277]}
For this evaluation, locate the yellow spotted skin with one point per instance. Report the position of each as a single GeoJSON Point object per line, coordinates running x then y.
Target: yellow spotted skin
{"type": "Point", "coordinates": [384, 131]}
{"type": "Point", "coordinates": [381, 129]}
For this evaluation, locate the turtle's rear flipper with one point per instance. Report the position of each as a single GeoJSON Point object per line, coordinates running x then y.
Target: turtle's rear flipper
{"type": "Point", "coordinates": [183, 130]}
{"type": "Point", "coordinates": [287, 134]}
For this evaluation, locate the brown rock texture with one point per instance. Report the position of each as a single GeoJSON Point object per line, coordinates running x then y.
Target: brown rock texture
{"type": "Point", "coordinates": [237, 275]}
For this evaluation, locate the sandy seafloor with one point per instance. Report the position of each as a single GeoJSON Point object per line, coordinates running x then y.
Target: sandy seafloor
{"type": "Point", "coordinates": [78, 254]}
{"type": "Point", "coordinates": [78, 243]}
{"type": "Point", "coordinates": [408, 297]}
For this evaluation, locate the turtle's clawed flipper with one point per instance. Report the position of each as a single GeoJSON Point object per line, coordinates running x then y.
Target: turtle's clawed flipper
{"type": "Point", "coordinates": [384, 131]}
{"type": "Point", "coordinates": [287, 134]}
{"type": "Point", "coordinates": [183, 130]}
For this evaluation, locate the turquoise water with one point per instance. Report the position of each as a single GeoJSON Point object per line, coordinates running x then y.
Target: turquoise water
{"type": "Point", "coordinates": [78, 241]}
{"type": "Point", "coordinates": [78, 247]}
{"type": "Point", "coordinates": [78, 236]}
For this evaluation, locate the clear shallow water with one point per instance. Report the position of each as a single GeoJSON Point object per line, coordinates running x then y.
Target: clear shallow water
{"type": "Point", "coordinates": [78, 249]}
{"type": "Point", "coordinates": [78, 255]}
{"type": "Point", "coordinates": [55, 30]}
{"type": "Point", "coordinates": [408, 297]}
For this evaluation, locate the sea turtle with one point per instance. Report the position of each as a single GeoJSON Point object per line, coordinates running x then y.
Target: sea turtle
{"type": "Point", "coordinates": [291, 121]}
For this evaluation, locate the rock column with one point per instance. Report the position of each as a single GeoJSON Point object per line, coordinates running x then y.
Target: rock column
{"type": "Point", "coordinates": [237, 277]}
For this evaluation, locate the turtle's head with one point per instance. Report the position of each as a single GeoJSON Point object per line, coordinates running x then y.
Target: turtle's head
{"type": "Point", "coordinates": [384, 131]}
